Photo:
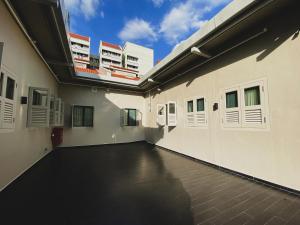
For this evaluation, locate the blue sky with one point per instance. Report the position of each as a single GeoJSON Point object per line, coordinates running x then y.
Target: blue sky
{"type": "Point", "coordinates": [158, 24]}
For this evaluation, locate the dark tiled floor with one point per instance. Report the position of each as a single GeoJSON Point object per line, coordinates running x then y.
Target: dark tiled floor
{"type": "Point", "coordinates": [136, 184]}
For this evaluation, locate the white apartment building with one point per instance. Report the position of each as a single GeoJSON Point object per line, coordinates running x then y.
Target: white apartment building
{"type": "Point", "coordinates": [137, 57]}
{"type": "Point", "coordinates": [80, 47]}
{"type": "Point", "coordinates": [110, 55]}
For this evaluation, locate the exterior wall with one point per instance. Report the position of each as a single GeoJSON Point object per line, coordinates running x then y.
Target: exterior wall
{"type": "Point", "coordinates": [145, 57]}
{"type": "Point", "coordinates": [22, 146]}
{"type": "Point", "coordinates": [107, 105]}
{"type": "Point", "coordinates": [270, 154]}
{"type": "Point", "coordinates": [81, 62]}
{"type": "Point", "coordinates": [117, 59]}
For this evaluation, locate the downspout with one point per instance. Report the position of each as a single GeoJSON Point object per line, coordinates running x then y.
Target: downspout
{"type": "Point", "coordinates": [11, 10]}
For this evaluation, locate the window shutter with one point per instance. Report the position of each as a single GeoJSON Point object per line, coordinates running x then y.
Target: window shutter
{"type": "Point", "coordinates": [38, 115]}
{"type": "Point", "coordinates": [172, 114]}
{"type": "Point", "coordinates": [232, 116]}
{"type": "Point", "coordinates": [123, 117]}
{"type": "Point", "coordinates": [62, 113]}
{"type": "Point", "coordinates": [57, 111]}
{"type": "Point", "coordinates": [161, 115]}
{"type": "Point", "coordinates": [254, 116]}
{"type": "Point", "coordinates": [8, 103]}
{"type": "Point", "coordinates": [201, 116]}
{"type": "Point", "coordinates": [190, 115]}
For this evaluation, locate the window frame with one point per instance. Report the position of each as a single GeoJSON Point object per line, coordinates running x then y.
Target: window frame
{"type": "Point", "coordinates": [161, 119]}
{"type": "Point", "coordinates": [83, 116]}
{"type": "Point", "coordinates": [196, 119]}
{"type": "Point", "coordinates": [232, 110]}
{"type": "Point", "coordinates": [31, 106]}
{"type": "Point", "coordinates": [242, 108]}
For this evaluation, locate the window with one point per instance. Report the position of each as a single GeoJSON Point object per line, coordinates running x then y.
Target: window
{"type": "Point", "coordinates": [128, 117]}
{"type": "Point", "coordinates": [232, 99]}
{"type": "Point", "coordinates": [7, 100]}
{"type": "Point", "coordinates": [39, 97]}
{"type": "Point", "coordinates": [200, 105]}
{"type": "Point", "coordinates": [38, 107]}
{"type": "Point", "coordinates": [252, 96]}
{"type": "Point", "coordinates": [83, 116]}
{"type": "Point", "coordinates": [245, 106]}
{"type": "Point", "coordinates": [190, 106]}
{"type": "Point", "coordinates": [196, 115]}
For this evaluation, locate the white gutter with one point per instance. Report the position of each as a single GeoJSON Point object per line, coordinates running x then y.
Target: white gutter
{"type": "Point", "coordinates": [222, 17]}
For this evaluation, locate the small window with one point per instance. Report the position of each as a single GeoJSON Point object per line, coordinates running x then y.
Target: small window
{"type": "Point", "coordinates": [200, 105]}
{"type": "Point", "coordinates": [40, 97]}
{"type": "Point", "coordinates": [232, 100]}
{"type": "Point", "coordinates": [252, 96]}
{"type": "Point", "coordinates": [129, 117]}
{"type": "Point", "coordinates": [1, 82]}
{"type": "Point", "coordinates": [10, 88]}
{"type": "Point", "coordinates": [190, 106]}
{"type": "Point", "coordinates": [83, 116]}
{"type": "Point", "coordinates": [171, 108]}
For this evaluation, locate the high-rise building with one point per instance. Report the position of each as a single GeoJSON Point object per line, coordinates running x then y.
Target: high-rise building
{"type": "Point", "coordinates": [137, 57]}
{"type": "Point", "coordinates": [80, 47]}
{"type": "Point", "coordinates": [110, 55]}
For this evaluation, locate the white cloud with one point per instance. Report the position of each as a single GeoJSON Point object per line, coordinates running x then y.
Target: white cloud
{"type": "Point", "coordinates": [138, 29]}
{"type": "Point", "coordinates": [87, 8]}
{"type": "Point", "coordinates": [158, 3]}
{"type": "Point", "coordinates": [186, 17]}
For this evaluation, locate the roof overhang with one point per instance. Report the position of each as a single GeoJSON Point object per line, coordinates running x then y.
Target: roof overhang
{"type": "Point", "coordinates": [45, 23]}
{"type": "Point", "coordinates": [241, 20]}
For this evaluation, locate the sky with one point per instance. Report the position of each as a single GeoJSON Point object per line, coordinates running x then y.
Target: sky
{"type": "Point", "coordinates": [157, 24]}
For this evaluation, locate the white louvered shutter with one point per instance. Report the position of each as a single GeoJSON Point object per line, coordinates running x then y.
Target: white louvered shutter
{"type": "Point", "coordinates": [201, 115]}
{"type": "Point", "coordinates": [254, 115]}
{"type": "Point", "coordinates": [62, 113]}
{"type": "Point", "coordinates": [57, 111]}
{"type": "Point", "coordinates": [232, 116]}
{"type": "Point", "coordinates": [172, 114]}
{"type": "Point", "coordinates": [161, 115]}
{"type": "Point", "coordinates": [123, 117]}
{"type": "Point", "coordinates": [8, 105]}
{"type": "Point", "coordinates": [190, 116]}
{"type": "Point", "coordinates": [38, 114]}
{"type": "Point", "coordinates": [1, 111]}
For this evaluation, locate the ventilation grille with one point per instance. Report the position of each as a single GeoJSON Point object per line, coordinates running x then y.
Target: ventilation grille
{"type": "Point", "coordinates": [200, 119]}
{"type": "Point", "coordinates": [39, 116]}
{"type": "Point", "coordinates": [232, 117]}
{"type": "Point", "coordinates": [253, 116]}
{"type": "Point", "coordinates": [8, 113]}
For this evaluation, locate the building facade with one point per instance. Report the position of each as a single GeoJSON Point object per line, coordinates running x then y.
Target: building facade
{"type": "Point", "coordinates": [80, 46]}
{"type": "Point", "coordinates": [137, 57]}
{"type": "Point", "coordinates": [110, 55]}
{"type": "Point", "coordinates": [237, 107]}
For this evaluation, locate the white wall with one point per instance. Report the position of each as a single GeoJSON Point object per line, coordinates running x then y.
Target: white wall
{"type": "Point", "coordinates": [270, 154]}
{"type": "Point", "coordinates": [21, 147]}
{"type": "Point", "coordinates": [107, 105]}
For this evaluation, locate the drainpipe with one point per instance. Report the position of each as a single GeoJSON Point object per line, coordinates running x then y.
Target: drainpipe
{"type": "Point", "coordinates": [11, 10]}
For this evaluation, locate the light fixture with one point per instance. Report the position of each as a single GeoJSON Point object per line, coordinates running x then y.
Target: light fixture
{"type": "Point", "coordinates": [158, 89]}
{"type": "Point", "coordinates": [197, 51]}
{"type": "Point", "coordinates": [152, 81]}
